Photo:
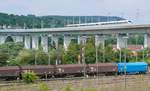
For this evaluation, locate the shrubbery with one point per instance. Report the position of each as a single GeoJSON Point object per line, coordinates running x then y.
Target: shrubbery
{"type": "Point", "coordinates": [43, 87]}
{"type": "Point", "coordinates": [90, 89]}
{"type": "Point", "coordinates": [29, 77]}
{"type": "Point", "coordinates": [68, 88]}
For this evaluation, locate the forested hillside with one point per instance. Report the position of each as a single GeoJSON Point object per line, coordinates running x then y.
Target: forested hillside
{"type": "Point", "coordinates": [32, 21]}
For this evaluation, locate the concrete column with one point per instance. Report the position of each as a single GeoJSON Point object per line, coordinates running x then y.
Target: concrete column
{"type": "Point", "coordinates": [55, 39]}
{"type": "Point", "coordinates": [35, 42]}
{"type": "Point", "coordinates": [122, 41]}
{"type": "Point", "coordinates": [147, 41]}
{"type": "Point", "coordinates": [18, 38]}
{"type": "Point", "coordinates": [2, 39]}
{"type": "Point", "coordinates": [81, 39]}
{"type": "Point", "coordinates": [27, 42]}
{"type": "Point", "coordinates": [99, 40]}
{"type": "Point", "coordinates": [83, 42]}
{"type": "Point", "coordinates": [44, 43]}
{"type": "Point", "coordinates": [67, 40]}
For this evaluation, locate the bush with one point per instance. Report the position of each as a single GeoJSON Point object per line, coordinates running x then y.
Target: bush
{"type": "Point", "coordinates": [29, 77]}
{"type": "Point", "coordinates": [90, 89]}
{"type": "Point", "coordinates": [81, 89]}
{"type": "Point", "coordinates": [43, 87]}
{"type": "Point", "coordinates": [68, 88]}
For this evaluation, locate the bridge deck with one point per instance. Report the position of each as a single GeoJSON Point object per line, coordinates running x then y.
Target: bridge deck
{"type": "Point", "coordinates": [82, 28]}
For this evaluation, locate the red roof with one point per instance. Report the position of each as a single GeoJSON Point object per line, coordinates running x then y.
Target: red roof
{"type": "Point", "coordinates": [132, 47]}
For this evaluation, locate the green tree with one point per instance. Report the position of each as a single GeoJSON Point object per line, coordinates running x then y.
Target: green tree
{"type": "Point", "coordinates": [124, 53]}
{"type": "Point", "coordinates": [31, 57]}
{"type": "Point", "coordinates": [56, 54]}
{"type": "Point", "coordinates": [71, 55]}
{"type": "Point", "coordinates": [146, 53]}
{"type": "Point", "coordinates": [3, 59]}
{"type": "Point", "coordinates": [25, 57]}
{"type": "Point", "coordinates": [9, 51]}
{"type": "Point", "coordinates": [53, 56]}
{"type": "Point", "coordinates": [109, 53]}
{"type": "Point", "coordinates": [41, 57]}
{"type": "Point", "coordinates": [89, 53]}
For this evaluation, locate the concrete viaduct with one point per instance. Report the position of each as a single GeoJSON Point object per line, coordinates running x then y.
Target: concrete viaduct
{"type": "Point", "coordinates": [30, 37]}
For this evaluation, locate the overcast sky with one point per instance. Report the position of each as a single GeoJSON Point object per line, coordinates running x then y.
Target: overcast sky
{"type": "Point", "coordinates": [134, 10]}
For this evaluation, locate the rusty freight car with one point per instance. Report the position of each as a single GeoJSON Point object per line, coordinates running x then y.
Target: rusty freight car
{"type": "Point", "coordinates": [102, 68]}
{"type": "Point", "coordinates": [70, 70]}
{"type": "Point", "coordinates": [10, 72]}
{"type": "Point", "coordinates": [40, 70]}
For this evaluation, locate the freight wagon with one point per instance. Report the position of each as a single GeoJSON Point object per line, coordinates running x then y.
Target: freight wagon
{"type": "Point", "coordinates": [102, 68]}
{"type": "Point", "coordinates": [11, 72]}
{"type": "Point", "coordinates": [133, 68]}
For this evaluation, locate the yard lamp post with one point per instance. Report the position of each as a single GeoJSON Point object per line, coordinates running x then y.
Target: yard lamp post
{"type": "Point", "coordinates": [143, 52]}
{"type": "Point", "coordinates": [120, 55]}
{"type": "Point", "coordinates": [136, 36]}
{"type": "Point", "coordinates": [35, 59]}
{"type": "Point", "coordinates": [125, 59]}
{"type": "Point", "coordinates": [96, 54]}
{"type": "Point", "coordinates": [103, 45]}
{"type": "Point", "coordinates": [49, 62]}
{"type": "Point", "coordinates": [83, 54]}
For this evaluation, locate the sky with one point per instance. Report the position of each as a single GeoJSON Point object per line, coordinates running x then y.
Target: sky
{"type": "Point", "coordinates": [137, 11]}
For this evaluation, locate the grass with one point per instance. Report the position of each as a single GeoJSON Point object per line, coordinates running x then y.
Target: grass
{"type": "Point", "coordinates": [134, 83]}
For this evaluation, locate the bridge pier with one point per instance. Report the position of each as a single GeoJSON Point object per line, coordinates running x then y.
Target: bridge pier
{"type": "Point", "coordinates": [122, 41]}
{"type": "Point", "coordinates": [146, 40]}
{"type": "Point", "coordinates": [2, 39]}
{"type": "Point", "coordinates": [27, 42]}
{"type": "Point", "coordinates": [44, 43]}
{"type": "Point", "coordinates": [82, 39]}
{"type": "Point", "coordinates": [79, 40]}
{"type": "Point", "coordinates": [99, 40]}
{"type": "Point", "coordinates": [35, 42]}
{"type": "Point", "coordinates": [67, 40]}
{"type": "Point", "coordinates": [18, 38]}
{"type": "Point", "coordinates": [55, 39]}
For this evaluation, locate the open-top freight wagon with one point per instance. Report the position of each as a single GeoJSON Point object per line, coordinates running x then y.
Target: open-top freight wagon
{"type": "Point", "coordinates": [102, 68]}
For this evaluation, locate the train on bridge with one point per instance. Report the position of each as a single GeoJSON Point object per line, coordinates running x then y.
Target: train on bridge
{"type": "Point", "coordinates": [100, 23]}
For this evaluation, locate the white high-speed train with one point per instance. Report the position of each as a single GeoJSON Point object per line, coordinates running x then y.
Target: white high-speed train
{"type": "Point", "coordinates": [100, 23]}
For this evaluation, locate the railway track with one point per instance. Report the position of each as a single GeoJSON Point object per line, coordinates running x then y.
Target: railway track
{"type": "Point", "coordinates": [101, 79]}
